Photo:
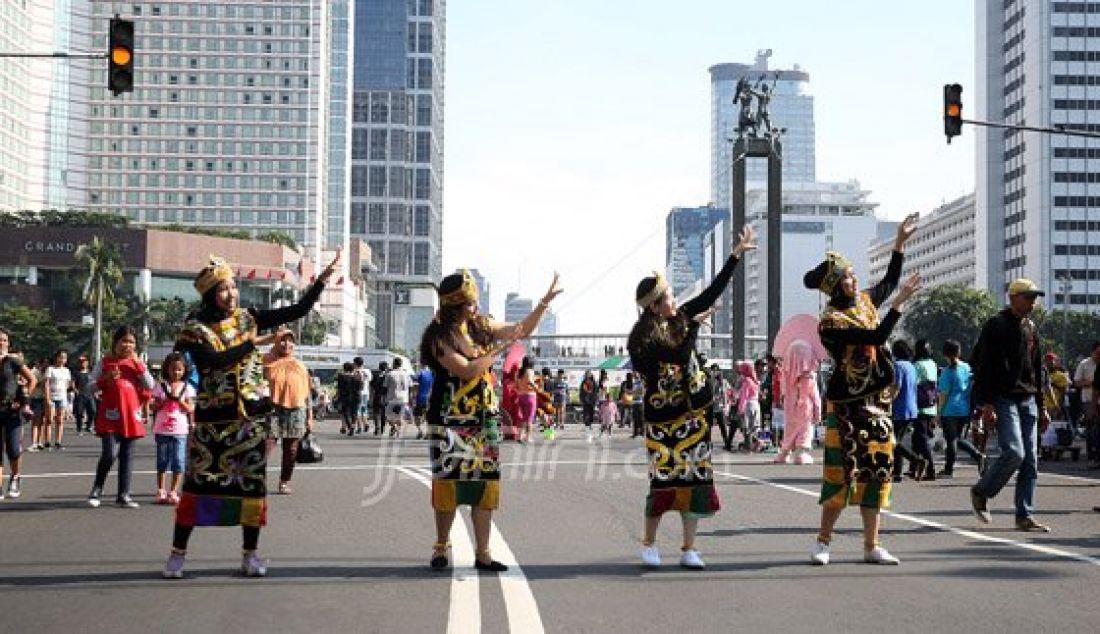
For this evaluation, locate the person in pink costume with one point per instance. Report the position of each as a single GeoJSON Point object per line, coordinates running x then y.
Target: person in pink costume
{"type": "Point", "coordinates": [802, 406]}
{"type": "Point", "coordinates": [748, 403]}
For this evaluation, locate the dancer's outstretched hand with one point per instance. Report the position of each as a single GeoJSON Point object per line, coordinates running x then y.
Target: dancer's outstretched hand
{"type": "Point", "coordinates": [327, 273]}
{"type": "Point", "coordinates": [553, 292]}
{"type": "Point", "coordinates": [746, 241]}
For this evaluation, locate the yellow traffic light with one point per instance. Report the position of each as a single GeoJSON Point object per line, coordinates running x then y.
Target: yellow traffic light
{"type": "Point", "coordinates": [121, 55]}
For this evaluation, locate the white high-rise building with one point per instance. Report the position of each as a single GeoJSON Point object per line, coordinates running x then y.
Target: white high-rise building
{"type": "Point", "coordinates": [1039, 194]}
{"type": "Point", "coordinates": [791, 107]}
{"type": "Point", "coordinates": [817, 217]}
{"type": "Point", "coordinates": [42, 113]}
{"type": "Point", "coordinates": [942, 251]}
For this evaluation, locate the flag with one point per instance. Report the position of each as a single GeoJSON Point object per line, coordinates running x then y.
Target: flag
{"type": "Point", "coordinates": [312, 279]}
{"type": "Point", "coordinates": [270, 273]}
{"type": "Point", "coordinates": [251, 275]}
{"type": "Point", "coordinates": [340, 281]}
{"type": "Point", "coordinates": [301, 267]}
{"type": "Point", "coordinates": [282, 275]}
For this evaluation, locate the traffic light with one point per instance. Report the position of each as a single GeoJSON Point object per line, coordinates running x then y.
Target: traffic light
{"type": "Point", "coordinates": [120, 56]}
{"type": "Point", "coordinates": [952, 110]}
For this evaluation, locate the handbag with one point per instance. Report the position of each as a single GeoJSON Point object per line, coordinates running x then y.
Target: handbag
{"type": "Point", "coordinates": [309, 450]}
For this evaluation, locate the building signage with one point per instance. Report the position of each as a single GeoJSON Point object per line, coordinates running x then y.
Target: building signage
{"type": "Point", "coordinates": [57, 246]}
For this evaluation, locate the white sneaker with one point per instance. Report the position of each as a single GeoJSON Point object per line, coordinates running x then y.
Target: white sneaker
{"type": "Point", "coordinates": [804, 458]}
{"type": "Point", "coordinates": [651, 557]}
{"type": "Point", "coordinates": [881, 556]}
{"type": "Point", "coordinates": [819, 554]}
{"type": "Point", "coordinates": [93, 498]}
{"type": "Point", "coordinates": [691, 559]}
{"type": "Point", "coordinates": [252, 565]}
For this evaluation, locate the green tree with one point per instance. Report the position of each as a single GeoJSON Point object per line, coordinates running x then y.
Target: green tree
{"type": "Point", "coordinates": [314, 327]}
{"type": "Point", "coordinates": [166, 316]}
{"type": "Point", "coordinates": [949, 311]}
{"type": "Point", "coordinates": [279, 237]}
{"type": "Point", "coordinates": [33, 332]}
{"type": "Point", "coordinates": [1068, 333]}
{"type": "Point", "coordinates": [103, 263]}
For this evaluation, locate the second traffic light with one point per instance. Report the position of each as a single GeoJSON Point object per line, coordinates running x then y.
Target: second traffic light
{"type": "Point", "coordinates": [120, 56]}
{"type": "Point", "coordinates": [952, 110]}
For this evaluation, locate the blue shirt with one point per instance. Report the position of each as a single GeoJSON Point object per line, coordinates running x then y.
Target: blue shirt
{"type": "Point", "coordinates": [905, 403]}
{"type": "Point", "coordinates": [424, 380]}
{"type": "Point", "coordinates": [955, 384]}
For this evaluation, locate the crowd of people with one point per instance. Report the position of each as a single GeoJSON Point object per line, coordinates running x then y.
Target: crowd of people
{"type": "Point", "coordinates": [219, 404]}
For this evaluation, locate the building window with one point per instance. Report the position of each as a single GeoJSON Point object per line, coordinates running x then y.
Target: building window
{"type": "Point", "coordinates": [377, 219]}
{"type": "Point", "coordinates": [422, 224]}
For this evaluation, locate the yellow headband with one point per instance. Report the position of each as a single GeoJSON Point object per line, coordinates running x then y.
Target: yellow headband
{"type": "Point", "coordinates": [654, 294]}
{"type": "Point", "coordinates": [213, 274]}
{"type": "Point", "coordinates": [465, 293]}
{"type": "Point", "coordinates": [836, 268]}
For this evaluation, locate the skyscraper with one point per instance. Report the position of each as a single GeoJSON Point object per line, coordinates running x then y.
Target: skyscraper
{"type": "Point", "coordinates": [222, 129]}
{"type": "Point", "coordinates": [1039, 209]}
{"type": "Point", "coordinates": [685, 228]}
{"type": "Point", "coordinates": [44, 131]}
{"type": "Point", "coordinates": [791, 107]}
{"type": "Point", "coordinates": [397, 143]}
{"type": "Point", "coordinates": [516, 307]}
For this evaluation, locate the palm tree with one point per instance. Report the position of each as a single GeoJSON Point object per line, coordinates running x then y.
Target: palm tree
{"type": "Point", "coordinates": [104, 267]}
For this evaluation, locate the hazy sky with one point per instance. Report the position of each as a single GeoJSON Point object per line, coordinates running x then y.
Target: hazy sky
{"type": "Point", "coordinates": [573, 126]}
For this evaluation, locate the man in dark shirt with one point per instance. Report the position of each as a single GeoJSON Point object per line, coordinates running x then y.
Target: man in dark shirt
{"type": "Point", "coordinates": [378, 397]}
{"type": "Point", "coordinates": [1007, 386]}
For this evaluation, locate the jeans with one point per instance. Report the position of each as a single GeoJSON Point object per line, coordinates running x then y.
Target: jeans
{"type": "Point", "coordinates": [901, 452]}
{"type": "Point", "coordinates": [922, 437]}
{"type": "Point", "coordinates": [171, 453]}
{"type": "Point", "coordinates": [955, 430]}
{"type": "Point", "coordinates": [84, 411]}
{"type": "Point", "coordinates": [122, 448]}
{"type": "Point", "coordinates": [1017, 423]}
{"type": "Point", "coordinates": [11, 435]}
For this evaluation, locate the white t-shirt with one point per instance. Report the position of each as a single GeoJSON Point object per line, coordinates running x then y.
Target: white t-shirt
{"type": "Point", "coordinates": [397, 383]}
{"type": "Point", "coordinates": [364, 392]}
{"type": "Point", "coordinates": [1084, 372]}
{"type": "Point", "coordinates": [58, 381]}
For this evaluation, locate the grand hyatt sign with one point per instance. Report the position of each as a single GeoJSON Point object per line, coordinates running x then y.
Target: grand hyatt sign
{"type": "Point", "coordinates": [57, 246]}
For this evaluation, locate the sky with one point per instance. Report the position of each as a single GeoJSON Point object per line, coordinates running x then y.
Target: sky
{"type": "Point", "coordinates": [572, 127]}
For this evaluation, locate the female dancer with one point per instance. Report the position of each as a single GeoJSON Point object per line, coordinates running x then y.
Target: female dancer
{"type": "Point", "coordinates": [677, 397]}
{"type": "Point", "coordinates": [461, 346]}
{"type": "Point", "coordinates": [859, 436]}
{"type": "Point", "coordinates": [226, 478]}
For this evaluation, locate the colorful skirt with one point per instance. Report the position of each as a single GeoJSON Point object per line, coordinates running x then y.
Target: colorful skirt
{"type": "Point", "coordinates": [465, 460]}
{"type": "Point", "coordinates": [681, 474]}
{"type": "Point", "coordinates": [226, 481]}
{"type": "Point", "coordinates": [859, 454]}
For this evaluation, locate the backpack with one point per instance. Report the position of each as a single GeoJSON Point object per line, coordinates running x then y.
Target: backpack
{"type": "Point", "coordinates": [927, 394]}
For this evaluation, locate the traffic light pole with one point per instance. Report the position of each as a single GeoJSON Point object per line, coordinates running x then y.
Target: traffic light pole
{"type": "Point", "coordinates": [60, 55]}
{"type": "Point", "coordinates": [1058, 129]}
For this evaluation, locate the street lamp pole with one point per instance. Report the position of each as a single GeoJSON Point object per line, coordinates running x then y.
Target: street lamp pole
{"type": "Point", "coordinates": [1066, 286]}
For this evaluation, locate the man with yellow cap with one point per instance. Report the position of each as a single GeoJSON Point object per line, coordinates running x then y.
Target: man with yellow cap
{"type": "Point", "coordinates": [1007, 386]}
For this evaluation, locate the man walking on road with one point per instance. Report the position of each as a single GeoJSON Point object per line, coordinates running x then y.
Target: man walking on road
{"type": "Point", "coordinates": [1007, 388]}
{"type": "Point", "coordinates": [1083, 380]}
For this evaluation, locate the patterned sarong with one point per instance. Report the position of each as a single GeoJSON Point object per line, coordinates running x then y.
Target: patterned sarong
{"type": "Point", "coordinates": [859, 454]}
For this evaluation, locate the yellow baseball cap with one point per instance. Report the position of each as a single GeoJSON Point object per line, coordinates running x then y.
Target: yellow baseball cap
{"type": "Point", "coordinates": [1024, 286]}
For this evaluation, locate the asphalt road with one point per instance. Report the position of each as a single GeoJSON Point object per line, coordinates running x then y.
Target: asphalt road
{"type": "Point", "coordinates": [348, 552]}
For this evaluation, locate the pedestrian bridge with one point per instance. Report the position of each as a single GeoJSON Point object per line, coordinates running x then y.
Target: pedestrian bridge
{"type": "Point", "coordinates": [608, 351]}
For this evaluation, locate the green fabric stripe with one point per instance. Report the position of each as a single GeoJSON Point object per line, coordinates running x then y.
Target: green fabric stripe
{"type": "Point", "coordinates": [231, 512]}
{"type": "Point", "coordinates": [469, 492]}
{"type": "Point", "coordinates": [834, 456]}
{"type": "Point", "coordinates": [829, 491]}
{"type": "Point", "coordinates": [871, 494]}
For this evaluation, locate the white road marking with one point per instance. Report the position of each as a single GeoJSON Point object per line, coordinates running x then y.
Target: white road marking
{"type": "Point", "coordinates": [465, 611]}
{"type": "Point", "coordinates": [1046, 550]}
{"type": "Point", "coordinates": [519, 600]}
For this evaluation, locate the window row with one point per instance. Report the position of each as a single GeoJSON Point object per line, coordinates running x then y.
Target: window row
{"type": "Point", "coordinates": [211, 199]}
{"type": "Point", "coordinates": [393, 219]}
{"type": "Point", "coordinates": [402, 258]}
{"type": "Point", "coordinates": [226, 184]}
{"type": "Point", "coordinates": [243, 149]}
{"type": "Point", "coordinates": [213, 10]}
{"type": "Point", "coordinates": [395, 182]}
{"type": "Point", "coordinates": [380, 144]}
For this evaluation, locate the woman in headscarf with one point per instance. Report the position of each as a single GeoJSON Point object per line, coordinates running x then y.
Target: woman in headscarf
{"type": "Point", "coordinates": [461, 346]}
{"type": "Point", "coordinates": [859, 435]}
{"type": "Point", "coordinates": [802, 403]}
{"type": "Point", "coordinates": [675, 405]}
{"type": "Point", "coordinates": [225, 483]}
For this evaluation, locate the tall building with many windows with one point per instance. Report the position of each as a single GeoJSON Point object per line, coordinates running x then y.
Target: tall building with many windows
{"type": "Point", "coordinates": [942, 251]}
{"type": "Point", "coordinates": [685, 228]}
{"type": "Point", "coordinates": [42, 113]}
{"type": "Point", "coordinates": [223, 126]}
{"type": "Point", "coordinates": [397, 144]}
{"type": "Point", "coordinates": [791, 106]}
{"type": "Point", "coordinates": [1038, 193]}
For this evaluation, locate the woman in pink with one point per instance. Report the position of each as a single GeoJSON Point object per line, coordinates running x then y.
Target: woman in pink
{"type": "Point", "coordinates": [526, 399]}
{"type": "Point", "coordinates": [608, 410]}
{"type": "Point", "coordinates": [802, 408]}
{"type": "Point", "coordinates": [173, 404]}
{"type": "Point", "coordinates": [748, 402]}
